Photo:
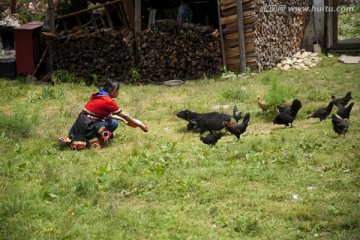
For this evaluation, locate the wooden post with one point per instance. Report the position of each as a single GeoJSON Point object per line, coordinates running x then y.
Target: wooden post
{"type": "Point", "coordinates": [51, 12]}
{"type": "Point", "coordinates": [13, 6]}
{"type": "Point", "coordinates": [325, 27]}
{"type": "Point", "coordinates": [335, 23]}
{"type": "Point", "coordinates": [137, 28]}
{"type": "Point", "coordinates": [137, 16]}
{"type": "Point", "coordinates": [241, 39]}
{"type": "Point", "coordinates": [129, 10]}
{"type": "Point", "coordinates": [221, 36]}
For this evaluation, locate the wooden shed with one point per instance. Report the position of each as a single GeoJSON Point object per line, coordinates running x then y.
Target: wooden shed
{"type": "Point", "coordinates": [237, 34]}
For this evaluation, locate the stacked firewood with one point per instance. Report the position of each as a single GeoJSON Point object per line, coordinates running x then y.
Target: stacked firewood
{"type": "Point", "coordinates": [103, 54]}
{"type": "Point", "coordinates": [272, 31]}
{"type": "Point", "coordinates": [172, 50]}
{"type": "Point", "coordinates": [168, 50]}
{"type": "Point", "coordinates": [278, 30]}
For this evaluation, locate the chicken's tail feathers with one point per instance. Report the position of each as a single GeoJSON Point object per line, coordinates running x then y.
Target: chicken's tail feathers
{"type": "Point", "coordinates": [235, 109]}
{"type": "Point", "coordinates": [348, 95]}
{"type": "Point", "coordinates": [330, 106]}
{"type": "Point", "coordinates": [349, 107]}
{"type": "Point", "coordinates": [295, 107]}
{"type": "Point", "coordinates": [246, 118]}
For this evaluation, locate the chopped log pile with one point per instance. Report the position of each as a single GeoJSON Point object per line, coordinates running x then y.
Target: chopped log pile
{"type": "Point", "coordinates": [106, 53]}
{"type": "Point", "coordinates": [271, 30]}
{"type": "Point", "coordinates": [173, 50]}
{"type": "Point", "coordinates": [169, 50]}
{"type": "Point", "coordinates": [278, 31]}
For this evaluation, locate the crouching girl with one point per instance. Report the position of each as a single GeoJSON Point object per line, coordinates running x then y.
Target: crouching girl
{"type": "Point", "coordinates": [99, 119]}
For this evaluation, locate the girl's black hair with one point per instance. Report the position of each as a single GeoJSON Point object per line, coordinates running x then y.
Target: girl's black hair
{"type": "Point", "coordinates": [110, 84]}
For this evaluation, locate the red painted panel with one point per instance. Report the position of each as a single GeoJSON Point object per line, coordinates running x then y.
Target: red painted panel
{"type": "Point", "coordinates": [23, 41]}
{"type": "Point", "coordinates": [25, 64]}
{"type": "Point", "coordinates": [27, 47]}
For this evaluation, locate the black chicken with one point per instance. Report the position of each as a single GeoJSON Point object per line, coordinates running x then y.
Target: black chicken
{"type": "Point", "coordinates": [340, 126]}
{"type": "Point", "coordinates": [281, 109]}
{"type": "Point", "coordinates": [212, 121]}
{"type": "Point", "coordinates": [238, 128]}
{"type": "Point", "coordinates": [322, 113]}
{"type": "Point", "coordinates": [211, 139]}
{"type": "Point", "coordinates": [344, 112]}
{"type": "Point", "coordinates": [343, 101]}
{"type": "Point", "coordinates": [236, 114]}
{"type": "Point", "coordinates": [287, 116]}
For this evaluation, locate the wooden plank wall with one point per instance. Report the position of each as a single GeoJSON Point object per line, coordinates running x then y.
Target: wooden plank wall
{"type": "Point", "coordinates": [229, 25]}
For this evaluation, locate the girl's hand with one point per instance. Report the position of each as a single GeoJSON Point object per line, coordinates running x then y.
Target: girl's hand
{"type": "Point", "coordinates": [144, 127]}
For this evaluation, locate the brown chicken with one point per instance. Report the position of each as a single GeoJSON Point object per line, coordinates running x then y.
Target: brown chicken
{"type": "Point", "coordinates": [238, 128]}
{"type": "Point", "coordinates": [340, 126]}
{"type": "Point", "coordinates": [264, 106]}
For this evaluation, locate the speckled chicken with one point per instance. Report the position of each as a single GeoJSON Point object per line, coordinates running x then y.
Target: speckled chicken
{"type": "Point", "coordinates": [287, 117]}
{"type": "Point", "coordinates": [340, 126]}
{"type": "Point", "coordinates": [238, 128]}
{"type": "Point", "coordinates": [344, 112]}
{"type": "Point", "coordinates": [322, 113]}
{"type": "Point", "coordinates": [236, 114]}
{"type": "Point", "coordinates": [211, 139]}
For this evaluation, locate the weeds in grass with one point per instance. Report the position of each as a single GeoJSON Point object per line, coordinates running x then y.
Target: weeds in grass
{"type": "Point", "coordinates": [233, 94]}
{"type": "Point", "coordinates": [135, 75]}
{"type": "Point", "coordinates": [61, 76]}
{"type": "Point", "coordinates": [47, 93]}
{"type": "Point", "coordinates": [19, 122]}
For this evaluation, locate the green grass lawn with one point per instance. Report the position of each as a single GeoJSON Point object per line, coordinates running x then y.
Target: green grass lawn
{"type": "Point", "coordinates": [274, 183]}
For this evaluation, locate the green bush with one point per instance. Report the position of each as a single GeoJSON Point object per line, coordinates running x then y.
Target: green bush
{"type": "Point", "coordinates": [63, 76]}
{"type": "Point", "coordinates": [277, 92]}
